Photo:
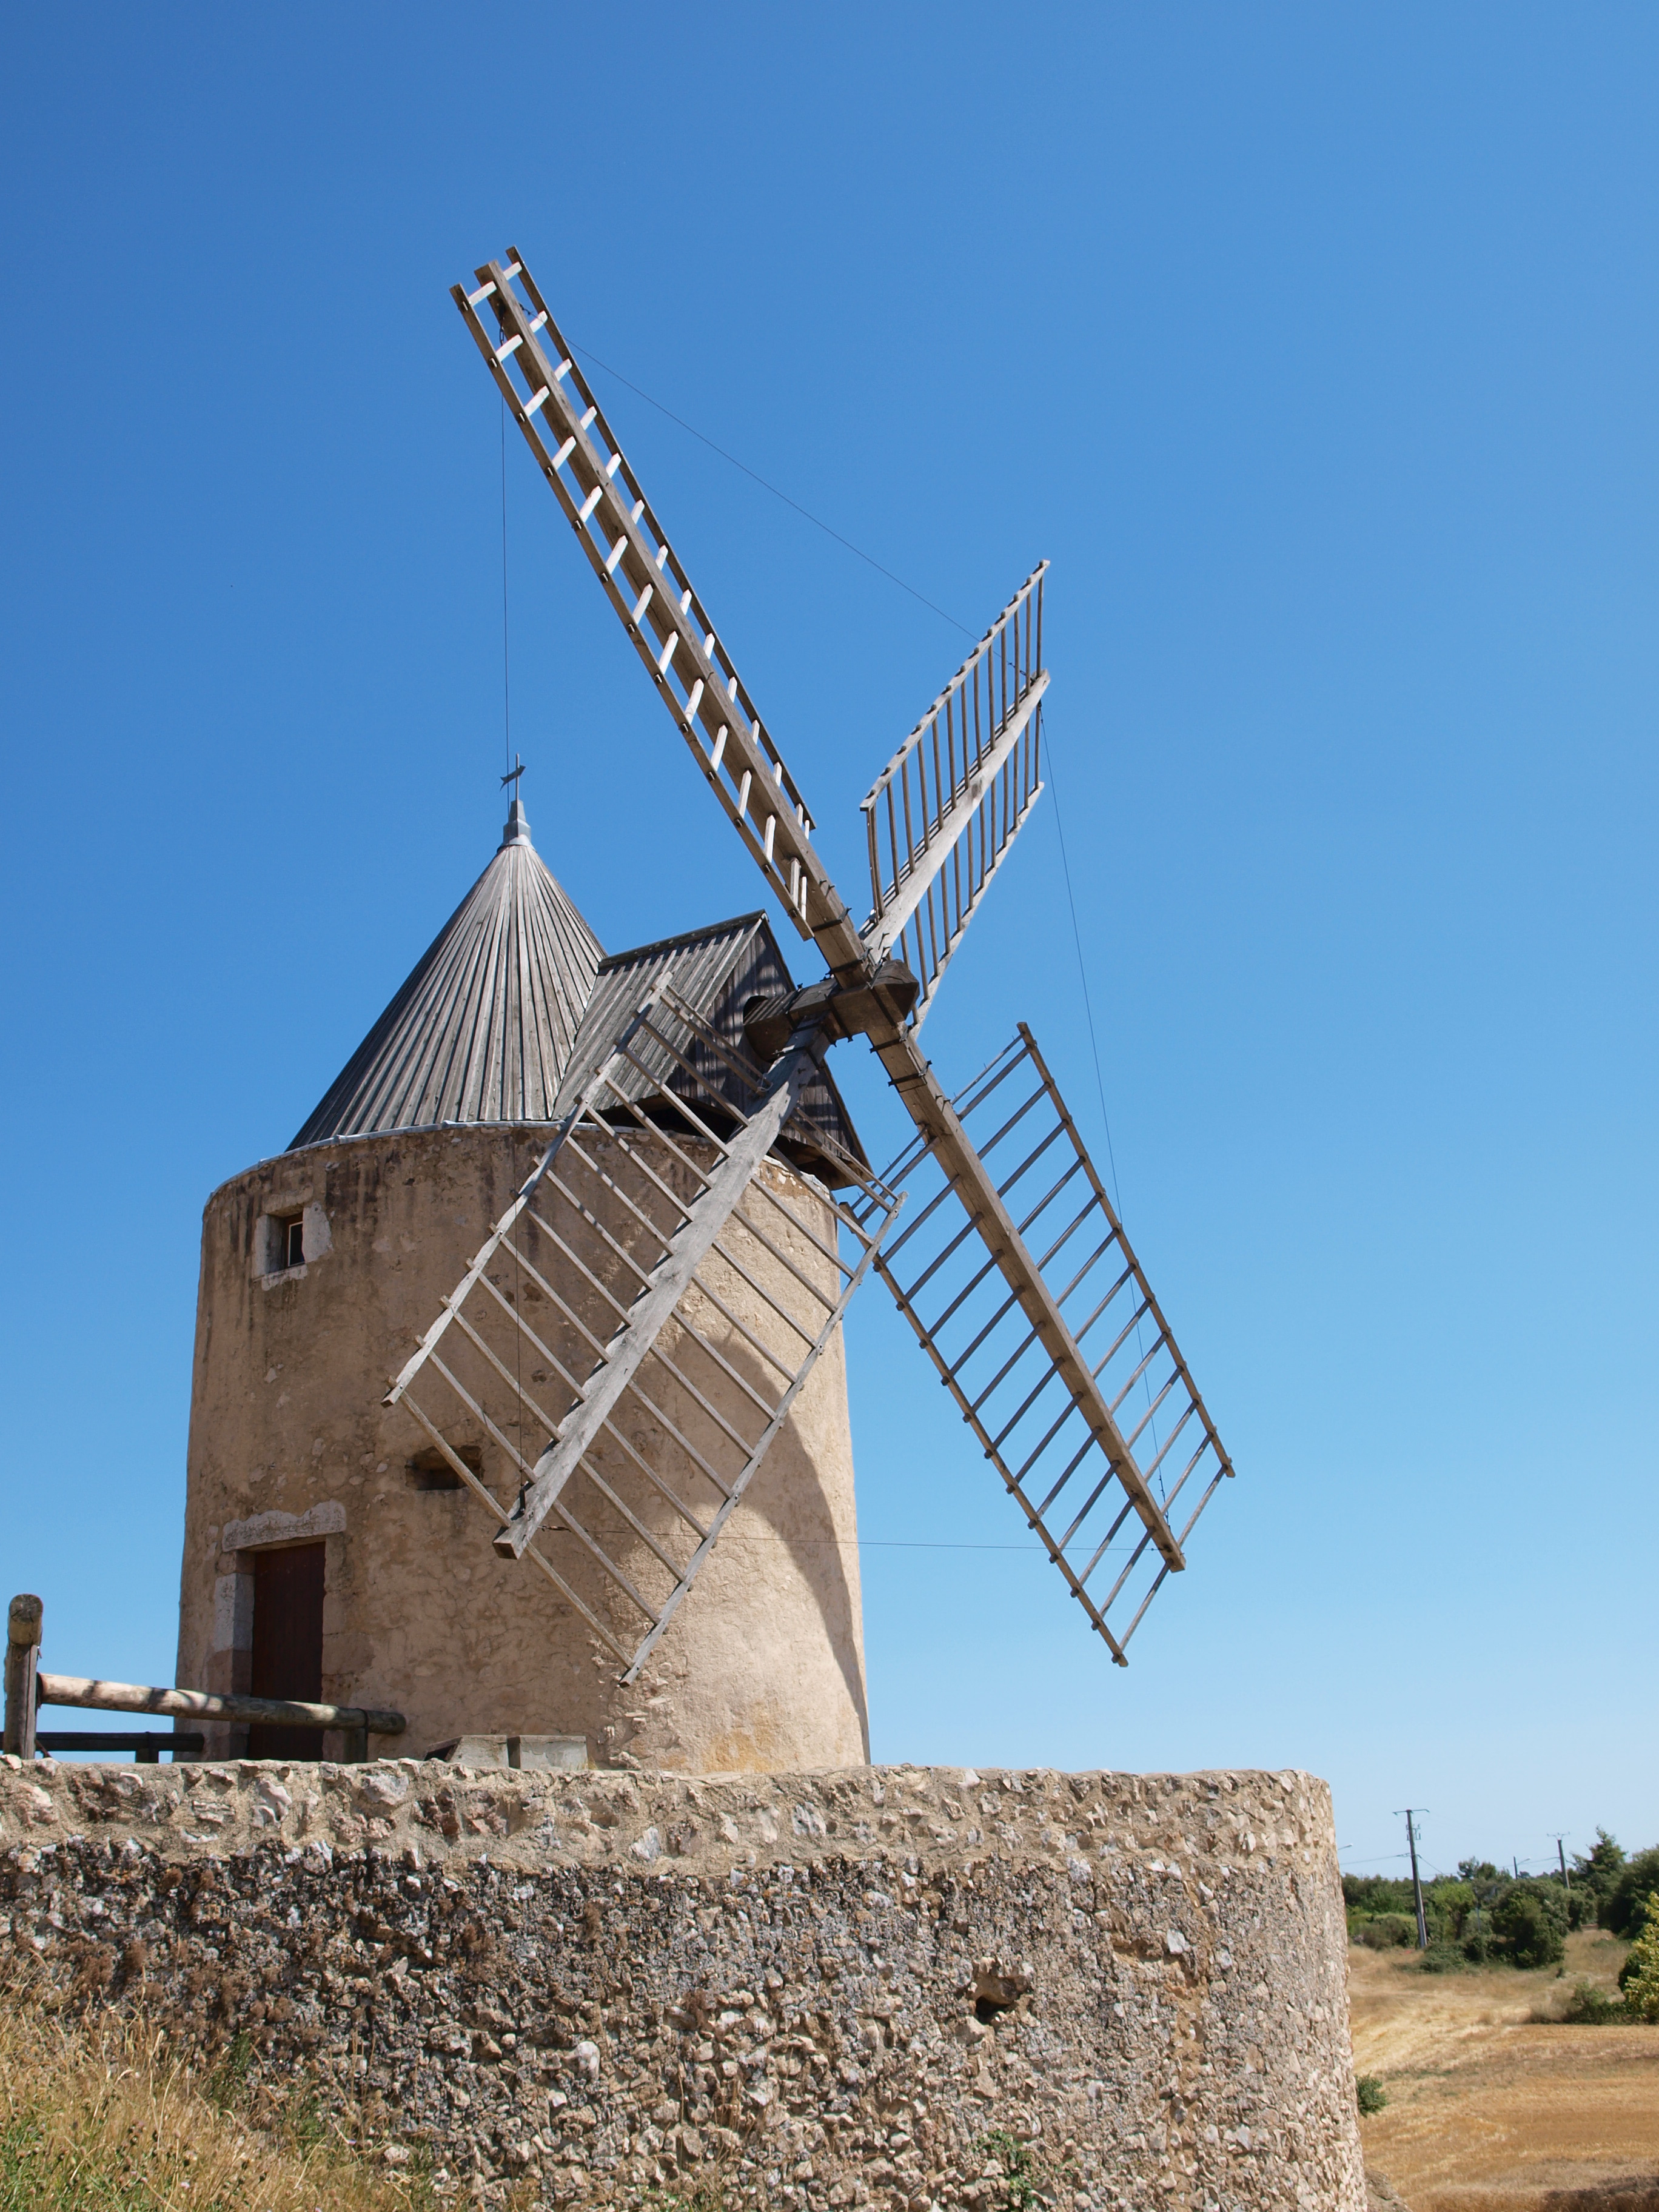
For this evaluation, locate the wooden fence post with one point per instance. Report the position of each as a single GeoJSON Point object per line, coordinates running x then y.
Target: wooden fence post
{"type": "Point", "coordinates": [23, 1664]}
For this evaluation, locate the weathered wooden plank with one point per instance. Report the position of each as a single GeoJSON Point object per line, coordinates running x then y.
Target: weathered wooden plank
{"type": "Point", "coordinates": [200, 1704]}
{"type": "Point", "coordinates": [22, 1660]}
{"type": "Point", "coordinates": [708, 1215]}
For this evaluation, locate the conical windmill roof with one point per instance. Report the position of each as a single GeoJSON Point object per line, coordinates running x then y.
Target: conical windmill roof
{"type": "Point", "coordinates": [482, 1029]}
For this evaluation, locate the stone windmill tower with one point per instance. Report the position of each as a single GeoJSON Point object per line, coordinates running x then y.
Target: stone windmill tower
{"type": "Point", "coordinates": [324, 1552]}
{"type": "Point", "coordinates": [638, 1374]}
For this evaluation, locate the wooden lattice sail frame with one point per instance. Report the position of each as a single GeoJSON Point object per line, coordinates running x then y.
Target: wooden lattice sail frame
{"type": "Point", "coordinates": [1029, 1374]}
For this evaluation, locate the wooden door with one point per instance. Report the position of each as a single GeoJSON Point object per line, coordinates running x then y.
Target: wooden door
{"type": "Point", "coordinates": [287, 1645]}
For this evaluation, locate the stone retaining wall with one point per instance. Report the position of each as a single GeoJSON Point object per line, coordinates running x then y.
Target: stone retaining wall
{"type": "Point", "coordinates": [879, 1985]}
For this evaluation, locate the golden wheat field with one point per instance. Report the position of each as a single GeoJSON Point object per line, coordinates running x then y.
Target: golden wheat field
{"type": "Point", "coordinates": [1494, 2107]}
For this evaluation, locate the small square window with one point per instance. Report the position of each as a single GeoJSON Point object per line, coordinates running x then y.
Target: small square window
{"type": "Point", "coordinates": [288, 1243]}
{"type": "Point", "coordinates": [430, 1470]}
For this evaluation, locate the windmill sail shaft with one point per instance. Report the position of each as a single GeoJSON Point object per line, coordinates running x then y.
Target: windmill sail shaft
{"type": "Point", "coordinates": [651, 596]}
{"type": "Point", "coordinates": [974, 1185]}
{"type": "Point", "coordinates": [1052, 1344]}
{"type": "Point", "coordinates": [940, 817]}
{"type": "Point", "coordinates": [921, 867]}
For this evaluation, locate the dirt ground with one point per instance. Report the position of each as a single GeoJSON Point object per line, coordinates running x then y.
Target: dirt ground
{"type": "Point", "coordinates": [1492, 2110]}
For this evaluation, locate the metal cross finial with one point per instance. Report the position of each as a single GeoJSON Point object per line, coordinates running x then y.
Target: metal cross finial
{"type": "Point", "coordinates": [513, 773]}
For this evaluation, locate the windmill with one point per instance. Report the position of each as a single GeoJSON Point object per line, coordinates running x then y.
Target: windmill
{"type": "Point", "coordinates": [614, 1282]}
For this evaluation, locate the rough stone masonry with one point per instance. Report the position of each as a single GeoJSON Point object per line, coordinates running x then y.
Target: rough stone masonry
{"type": "Point", "coordinates": [897, 1986]}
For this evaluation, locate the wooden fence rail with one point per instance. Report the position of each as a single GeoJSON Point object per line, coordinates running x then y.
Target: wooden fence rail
{"type": "Point", "coordinates": [28, 1689]}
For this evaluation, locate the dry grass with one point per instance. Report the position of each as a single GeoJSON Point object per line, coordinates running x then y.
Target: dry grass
{"type": "Point", "coordinates": [1494, 2105]}
{"type": "Point", "coordinates": [99, 2117]}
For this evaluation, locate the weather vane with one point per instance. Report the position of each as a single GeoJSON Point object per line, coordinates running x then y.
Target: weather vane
{"type": "Point", "coordinates": [513, 773]}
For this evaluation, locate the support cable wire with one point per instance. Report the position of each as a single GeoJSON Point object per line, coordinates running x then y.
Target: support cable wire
{"type": "Point", "coordinates": [507, 687]}
{"type": "Point", "coordinates": [755, 476]}
{"type": "Point", "coordinates": [909, 1544]}
{"type": "Point", "coordinates": [1094, 1047]}
{"type": "Point", "coordinates": [507, 741]}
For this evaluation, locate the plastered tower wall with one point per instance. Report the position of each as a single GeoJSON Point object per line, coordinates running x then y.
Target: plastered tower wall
{"type": "Point", "coordinates": [763, 1667]}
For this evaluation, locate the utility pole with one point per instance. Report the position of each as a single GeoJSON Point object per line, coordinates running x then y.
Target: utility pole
{"type": "Point", "coordinates": [1417, 1885]}
{"type": "Point", "coordinates": [1561, 1853]}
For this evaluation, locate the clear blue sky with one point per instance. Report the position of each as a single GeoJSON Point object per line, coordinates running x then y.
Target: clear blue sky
{"type": "Point", "coordinates": [1316, 348]}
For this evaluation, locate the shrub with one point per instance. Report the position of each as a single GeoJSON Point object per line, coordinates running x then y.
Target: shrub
{"type": "Point", "coordinates": [1639, 1978]}
{"type": "Point", "coordinates": [1582, 1905]}
{"type": "Point", "coordinates": [1530, 1921]}
{"type": "Point", "coordinates": [1450, 1904]}
{"type": "Point", "coordinates": [1371, 2095]}
{"type": "Point", "coordinates": [1389, 1931]}
{"type": "Point", "coordinates": [1590, 2006]}
{"type": "Point", "coordinates": [1625, 1902]}
{"type": "Point", "coordinates": [1367, 1894]}
{"type": "Point", "coordinates": [1443, 1958]}
{"type": "Point", "coordinates": [1020, 2176]}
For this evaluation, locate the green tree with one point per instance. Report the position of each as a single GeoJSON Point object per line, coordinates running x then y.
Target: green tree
{"type": "Point", "coordinates": [1595, 1871]}
{"type": "Point", "coordinates": [1639, 1978]}
{"type": "Point", "coordinates": [1582, 1904]}
{"type": "Point", "coordinates": [1530, 1921]}
{"type": "Point", "coordinates": [1624, 1904]}
{"type": "Point", "coordinates": [1450, 1904]}
{"type": "Point", "coordinates": [1365, 1894]}
{"type": "Point", "coordinates": [1477, 1870]}
{"type": "Point", "coordinates": [1485, 1885]}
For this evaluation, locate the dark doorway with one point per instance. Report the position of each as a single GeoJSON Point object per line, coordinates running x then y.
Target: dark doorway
{"type": "Point", "coordinates": [287, 1645]}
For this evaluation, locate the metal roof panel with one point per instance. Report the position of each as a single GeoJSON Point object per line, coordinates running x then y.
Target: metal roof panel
{"type": "Point", "coordinates": [483, 1028]}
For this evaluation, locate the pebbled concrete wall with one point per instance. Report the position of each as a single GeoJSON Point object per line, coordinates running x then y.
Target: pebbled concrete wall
{"type": "Point", "coordinates": [880, 1986]}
